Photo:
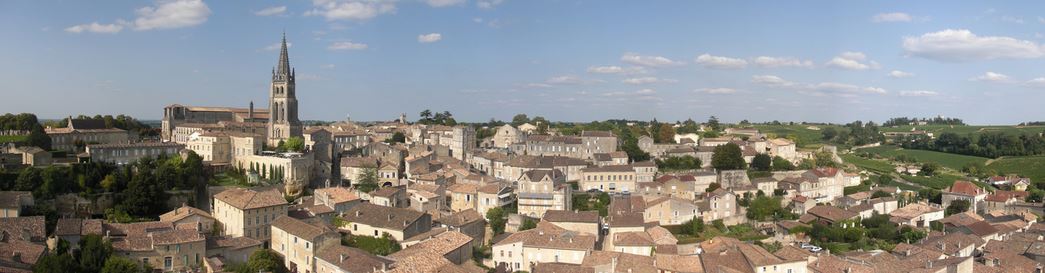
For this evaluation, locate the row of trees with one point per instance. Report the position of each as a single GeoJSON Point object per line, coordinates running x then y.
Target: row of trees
{"type": "Point", "coordinates": [119, 121]}
{"type": "Point", "coordinates": [986, 144]}
{"type": "Point", "coordinates": [27, 122]}
{"type": "Point", "coordinates": [900, 121]}
{"type": "Point", "coordinates": [443, 118]}
{"type": "Point", "coordinates": [854, 133]}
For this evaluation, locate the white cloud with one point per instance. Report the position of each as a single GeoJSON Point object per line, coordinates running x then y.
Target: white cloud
{"type": "Point", "coordinates": [539, 85]}
{"type": "Point", "coordinates": [565, 79]}
{"type": "Point", "coordinates": [645, 94]}
{"type": "Point", "coordinates": [609, 69]}
{"type": "Point", "coordinates": [771, 81]}
{"type": "Point", "coordinates": [347, 45]}
{"type": "Point", "coordinates": [900, 74]}
{"type": "Point", "coordinates": [277, 46]}
{"type": "Point", "coordinates": [963, 45]}
{"type": "Point", "coordinates": [819, 89]}
{"type": "Point", "coordinates": [270, 11]}
{"type": "Point", "coordinates": [351, 9]}
{"type": "Point", "coordinates": [720, 62]}
{"type": "Point", "coordinates": [852, 61]}
{"type": "Point", "coordinates": [918, 93]}
{"type": "Point", "coordinates": [95, 27]}
{"type": "Point", "coordinates": [1037, 82]}
{"type": "Point", "coordinates": [647, 80]}
{"type": "Point", "coordinates": [649, 61]}
{"type": "Point", "coordinates": [488, 4]}
{"type": "Point", "coordinates": [329, 66]}
{"type": "Point", "coordinates": [1012, 19]}
{"type": "Point", "coordinates": [774, 62]}
{"type": "Point", "coordinates": [991, 77]}
{"type": "Point", "coordinates": [891, 17]}
{"type": "Point", "coordinates": [646, 91]}
{"type": "Point", "coordinates": [444, 3]}
{"type": "Point", "coordinates": [720, 90]}
{"type": "Point", "coordinates": [429, 38]}
{"type": "Point", "coordinates": [1041, 20]}
{"type": "Point", "coordinates": [168, 14]}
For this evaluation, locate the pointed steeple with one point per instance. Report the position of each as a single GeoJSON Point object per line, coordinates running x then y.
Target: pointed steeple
{"type": "Point", "coordinates": [283, 68]}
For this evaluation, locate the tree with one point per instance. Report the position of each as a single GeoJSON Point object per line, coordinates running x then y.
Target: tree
{"type": "Point", "coordinates": [829, 133]}
{"type": "Point", "coordinates": [713, 123]}
{"type": "Point", "coordinates": [957, 206]}
{"type": "Point", "coordinates": [542, 125]}
{"type": "Point", "coordinates": [765, 207]}
{"type": "Point", "coordinates": [929, 168]}
{"type": "Point", "coordinates": [713, 186]}
{"type": "Point", "coordinates": [117, 264]}
{"type": "Point", "coordinates": [266, 260]}
{"type": "Point", "coordinates": [398, 137]}
{"type": "Point", "coordinates": [694, 226]}
{"type": "Point", "coordinates": [728, 157]}
{"type": "Point", "coordinates": [520, 119]}
{"type": "Point", "coordinates": [366, 181]}
{"type": "Point", "coordinates": [665, 134]}
{"type": "Point", "coordinates": [497, 218]}
{"type": "Point", "coordinates": [678, 163]}
{"type": "Point", "coordinates": [28, 179]}
{"type": "Point", "coordinates": [63, 263]}
{"type": "Point", "coordinates": [94, 251]}
{"type": "Point", "coordinates": [762, 162]}
{"type": "Point", "coordinates": [527, 224]}
{"type": "Point", "coordinates": [878, 194]}
{"type": "Point", "coordinates": [426, 117]}
{"type": "Point", "coordinates": [383, 245]}
{"type": "Point", "coordinates": [293, 144]}
{"type": "Point", "coordinates": [781, 164]}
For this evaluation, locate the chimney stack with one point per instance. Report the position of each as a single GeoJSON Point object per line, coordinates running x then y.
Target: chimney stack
{"type": "Point", "coordinates": [342, 256]}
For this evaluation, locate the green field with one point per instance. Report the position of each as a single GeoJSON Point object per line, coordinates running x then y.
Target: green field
{"type": "Point", "coordinates": [962, 130]}
{"type": "Point", "coordinates": [1032, 167]}
{"type": "Point", "coordinates": [6, 139]}
{"type": "Point", "coordinates": [869, 164]}
{"type": "Point", "coordinates": [806, 138]}
{"type": "Point", "coordinates": [953, 161]}
{"type": "Point", "coordinates": [939, 181]}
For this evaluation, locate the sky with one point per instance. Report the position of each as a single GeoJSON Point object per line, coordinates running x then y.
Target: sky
{"type": "Point", "coordinates": [817, 61]}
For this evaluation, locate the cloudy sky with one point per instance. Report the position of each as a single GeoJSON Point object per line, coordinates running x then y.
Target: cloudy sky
{"type": "Point", "coordinates": [825, 61]}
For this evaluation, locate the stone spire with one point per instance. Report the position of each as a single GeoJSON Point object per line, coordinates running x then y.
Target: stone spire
{"type": "Point", "coordinates": [283, 68]}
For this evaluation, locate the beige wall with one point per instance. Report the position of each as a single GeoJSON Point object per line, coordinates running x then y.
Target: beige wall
{"type": "Point", "coordinates": [253, 223]}
{"type": "Point", "coordinates": [609, 181]}
{"type": "Point", "coordinates": [184, 256]}
{"type": "Point", "coordinates": [519, 257]}
{"type": "Point", "coordinates": [298, 253]}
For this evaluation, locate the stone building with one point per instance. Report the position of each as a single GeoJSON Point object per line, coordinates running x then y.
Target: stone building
{"type": "Point", "coordinates": [127, 153]}
{"type": "Point", "coordinates": [246, 212]}
{"type": "Point", "coordinates": [80, 132]}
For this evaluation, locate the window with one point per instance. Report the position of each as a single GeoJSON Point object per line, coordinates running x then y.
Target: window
{"type": "Point", "coordinates": [168, 263]}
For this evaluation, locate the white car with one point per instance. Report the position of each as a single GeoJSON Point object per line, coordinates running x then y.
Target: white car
{"type": "Point", "coordinates": [810, 247]}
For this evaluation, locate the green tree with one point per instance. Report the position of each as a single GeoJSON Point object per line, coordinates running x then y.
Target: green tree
{"type": "Point", "coordinates": [714, 124]}
{"type": "Point", "coordinates": [94, 251]}
{"type": "Point", "coordinates": [63, 263]}
{"type": "Point", "coordinates": [266, 260]}
{"type": "Point", "coordinates": [713, 186]}
{"type": "Point", "coordinates": [497, 218]}
{"type": "Point", "coordinates": [929, 168]}
{"type": "Point", "coordinates": [426, 117]}
{"type": "Point", "coordinates": [398, 137]}
{"type": "Point", "coordinates": [294, 144]}
{"type": "Point", "coordinates": [765, 207]}
{"type": "Point", "coordinates": [762, 162]}
{"type": "Point", "coordinates": [520, 119]}
{"type": "Point", "coordinates": [828, 133]}
{"type": "Point", "coordinates": [665, 133]}
{"type": "Point", "coordinates": [728, 157]}
{"type": "Point", "coordinates": [527, 224]}
{"type": "Point", "coordinates": [117, 264]}
{"type": "Point", "coordinates": [366, 181]}
{"type": "Point", "coordinates": [957, 206]}
{"type": "Point", "coordinates": [781, 164]}
{"type": "Point", "coordinates": [28, 179]}
{"type": "Point", "coordinates": [383, 245]}
{"type": "Point", "coordinates": [693, 226]}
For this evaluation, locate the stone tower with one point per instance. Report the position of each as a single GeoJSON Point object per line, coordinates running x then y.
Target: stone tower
{"type": "Point", "coordinates": [283, 103]}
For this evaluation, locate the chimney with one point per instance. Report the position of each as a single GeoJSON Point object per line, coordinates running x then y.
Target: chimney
{"type": "Point", "coordinates": [390, 217]}
{"type": "Point", "coordinates": [358, 213]}
{"type": "Point", "coordinates": [929, 264]}
{"type": "Point", "coordinates": [342, 256]}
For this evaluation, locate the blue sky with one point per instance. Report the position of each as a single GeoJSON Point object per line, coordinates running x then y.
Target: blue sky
{"type": "Point", "coordinates": [826, 61]}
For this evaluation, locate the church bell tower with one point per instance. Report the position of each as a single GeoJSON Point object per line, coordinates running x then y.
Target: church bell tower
{"type": "Point", "coordinates": [283, 103]}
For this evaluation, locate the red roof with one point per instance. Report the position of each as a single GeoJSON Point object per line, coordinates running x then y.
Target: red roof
{"type": "Point", "coordinates": [825, 172]}
{"type": "Point", "coordinates": [965, 188]}
{"type": "Point", "coordinates": [684, 178]}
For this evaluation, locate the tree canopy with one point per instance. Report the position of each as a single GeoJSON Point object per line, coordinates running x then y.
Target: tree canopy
{"type": "Point", "coordinates": [728, 157]}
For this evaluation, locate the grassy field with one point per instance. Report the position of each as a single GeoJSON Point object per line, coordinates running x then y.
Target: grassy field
{"type": "Point", "coordinates": [938, 129]}
{"type": "Point", "coordinates": [806, 138]}
{"type": "Point", "coordinates": [1032, 167]}
{"type": "Point", "coordinates": [6, 139]}
{"type": "Point", "coordinates": [939, 181]}
{"type": "Point", "coordinates": [953, 161]}
{"type": "Point", "coordinates": [869, 164]}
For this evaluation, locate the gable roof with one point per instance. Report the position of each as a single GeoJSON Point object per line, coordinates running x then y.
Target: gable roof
{"type": "Point", "coordinates": [305, 230]}
{"type": "Point", "coordinates": [965, 188]}
{"type": "Point", "coordinates": [566, 216]}
{"type": "Point", "coordinates": [250, 199]}
{"type": "Point", "coordinates": [382, 216]}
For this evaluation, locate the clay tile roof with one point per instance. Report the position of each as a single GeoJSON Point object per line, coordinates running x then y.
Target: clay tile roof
{"type": "Point", "coordinates": [231, 242]}
{"type": "Point", "coordinates": [177, 236]}
{"type": "Point", "coordinates": [443, 243]}
{"type": "Point", "coordinates": [597, 134]}
{"type": "Point", "coordinates": [68, 226]}
{"type": "Point", "coordinates": [624, 262]}
{"type": "Point", "coordinates": [632, 238]}
{"type": "Point", "coordinates": [352, 259]}
{"type": "Point", "coordinates": [561, 268]}
{"type": "Point", "coordinates": [661, 235]}
{"type": "Point", "coordinates": [562, 216]}
{"type": "Point", "coordinates": [824, 172]}
{"type": "Point", "coordinates": [337, 194]}
{"type": "Point", "coordinates": [32, 227]}
{"type": "Point", "coordinates": [26, 252]}
{"type": "Point", "coordinates": [182, 212]}
{"type": "Point", "coordinates": [12, 199]}
{"type": "Point", "coordinates": [610, 168]}
{"type": "Point", "coordinates": [982, 228]}
{"type": "Point", "coordinates": [386, 191]}
{"type": "Point", "coordinates": [678, 263]}
{"type": "Point", "coordinates": [965, 188]}
{"type": "Point", "coordinates": [462, 218]}
{"type": "Point", "coordinates": [382, 216]}
{"type": "Point", "coordinates": [962, 219]}
{"type": "Point", "coordinates": [250, 199]}
{"type": "Point", "coordinates": [547, 235]}
{"type": "Point", "coordinates": [831, 263]}
{"type": "Point", "coordinates": [792, 253]}
{"type": "Point", "coordinates": [834, 214]}
{"type": "Point", "coordinates": [464, 188]}
{"type": "Point", "coordinates": [913, 210]}
{"type": "Point", "coordinates": [300, 228]}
